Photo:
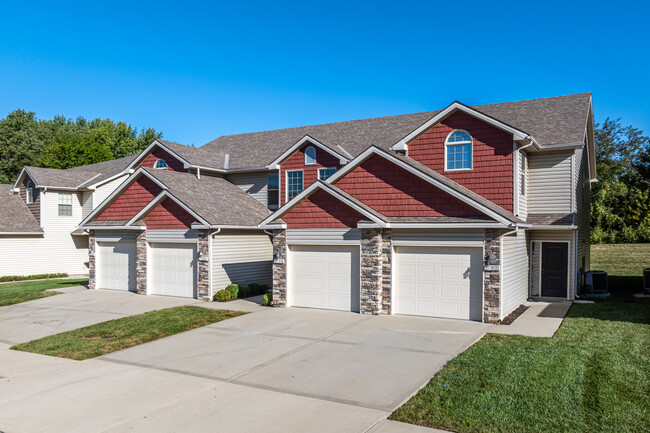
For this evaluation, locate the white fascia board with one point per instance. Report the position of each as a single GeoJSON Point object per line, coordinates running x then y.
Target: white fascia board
{"type": "Point", "coordinates": [20, 176]}
{"type": "Point", "coordinates": [273, 226]}
{"type": "Point", "coordinates": [550, 227]}
{"type": "Point", "coordinates": [246, 170]}
{"type": "Point", "coordinates": [200, 167]}
{"type": "Point", "coordinates": [228, 226]}
{"type": "Point", "coordinates": [105, 181]}
{"type": "Point", "coordinates": [145, 152]}
{"type": "Point", "coordinates": [83, 183]}
{"type": "Point", "coordinates": [114, 228]}
{"type": "Point", "coordinates": [22, 233]}
{"type": "Point", "coordinates": [59, 188]}
{"type": "Point", "coordinates": [299, 144]}
{"type": "Point", "coordinates": [376, 151]}
{"type": "Point", "coordinates": [118, 190]}
{"type": "Point", "coordinates": [457, 106]}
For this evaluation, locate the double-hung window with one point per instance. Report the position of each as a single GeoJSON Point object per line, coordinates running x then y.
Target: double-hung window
{"type": "Point", "coordinates": [324, 173]}
{"type": "Point", "coordinates": [458, 151]}
{"type": "Point", "coordinates": [272, 187]}
{"type": "Point", "coordinates": [294, 183]}
{"type": "Point", "coordinates": [65, 204]}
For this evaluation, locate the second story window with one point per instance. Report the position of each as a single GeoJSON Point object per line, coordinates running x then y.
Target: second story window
{"type": "Point", "coordinates": [30, 193]}
{"type": "Point", "coordinates": [310, 155]}
{"type": "Point", "coordinates": [522, 173]}
{"type": "Point", "coordinates": [272, 188]}
{"type": "Point", "coordinates": [325, 173]}
{"type": "Point", "coordinates": [458, 151]}
{"type": "Point", "coordinates": [65, 204]}
{"type": "Point", "coordinates": [161, 163]}
{"type": "Point", "coordinates": [294, 183]}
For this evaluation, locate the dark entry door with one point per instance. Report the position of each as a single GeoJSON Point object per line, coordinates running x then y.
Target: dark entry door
{"type": "Point", "coordinates": [555, 268]}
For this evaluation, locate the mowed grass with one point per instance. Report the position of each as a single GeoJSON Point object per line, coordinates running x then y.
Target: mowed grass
{"type": "Point", "coordinates": [14, 293]}
{"type": "Point", "coordinates": [118, 334]}
{"type": "Point", "coordinates": [592, 376]}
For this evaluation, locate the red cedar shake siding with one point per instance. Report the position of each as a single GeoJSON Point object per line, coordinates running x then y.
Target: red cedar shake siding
{"type": "Point", "coordinates": [394, 192]}
{"type": "Point", "coordinates": [310, 172]}
{"type": "Point", "coordinates": [321, 210]}
{"type": "Point", "coordinates": [158, 153]}
{"type": "Point", "coordinates": [168, 215]}
{"type": "Point", "coordinates": [491, 174]}
{"type": "Point", "coordinates": [131, 201]}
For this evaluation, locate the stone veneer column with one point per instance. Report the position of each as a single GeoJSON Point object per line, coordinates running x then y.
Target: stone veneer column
{"type": "Point", "coordinates": [492, 277]}
{"type": "Point", "coordinates": [92, 247]}
{"type": "Point", "coordinates": [280, 268]}
{"type": "Point", "coordinates": [203, 252]}
{"type": "Point", "coordinates": [141, 263]}
{"type": "Point", "coordinates": [371, 271]}
{"type": "Point", "coordinates": [387, 270]}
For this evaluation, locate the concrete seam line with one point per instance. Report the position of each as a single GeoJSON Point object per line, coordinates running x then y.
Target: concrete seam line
{"type": "Point", "coordinates": [164, 369]}
{"type": "Point", "coordinates": [298, 349]}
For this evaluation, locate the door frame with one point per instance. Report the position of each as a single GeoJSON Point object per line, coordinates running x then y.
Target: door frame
{"type": "Point", "coordinates": [568, 271]}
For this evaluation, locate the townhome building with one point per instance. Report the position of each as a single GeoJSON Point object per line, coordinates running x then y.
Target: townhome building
{"type": "Point", "coordinates": [460, 213]}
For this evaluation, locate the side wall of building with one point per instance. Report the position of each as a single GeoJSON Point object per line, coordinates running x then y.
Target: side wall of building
{"type": "Point", "coordinates": [514, 272]}
{"type": "Point", "coordinates": [241, 257]}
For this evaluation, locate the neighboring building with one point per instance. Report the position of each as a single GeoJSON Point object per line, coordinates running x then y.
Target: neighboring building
{"type": "Point", "coordinates": [39, 221]}
{"type": "Point", "coordinates": [461, 213]}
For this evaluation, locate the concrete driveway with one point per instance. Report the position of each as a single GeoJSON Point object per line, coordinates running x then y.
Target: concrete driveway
{"type": "Point", "coordinates": [273, 370]}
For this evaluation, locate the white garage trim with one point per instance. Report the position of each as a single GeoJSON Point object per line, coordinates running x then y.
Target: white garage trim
{"type": "Point", "coordinates": [324, 237]}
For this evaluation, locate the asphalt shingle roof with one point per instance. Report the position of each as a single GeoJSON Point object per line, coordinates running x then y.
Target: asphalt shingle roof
{"type": "Point", "coordinates": [78, 176]}
{"type": "Point", "coordinates": [15, 217]}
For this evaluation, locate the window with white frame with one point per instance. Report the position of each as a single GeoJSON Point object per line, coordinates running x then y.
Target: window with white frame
{"type": "Point", "coordinates": [30, 193]}
{"type": "Point", "coordinates": [272, 188]}
{"type": "Point", "coordinates": [65, 204]}
{"type": "Point", "coordinates": [161, 163]}
{"type": "Point", "coordinates": [522, 173]}
{"type": "Point", "coordinates": [294, 183]}
{"type": "Point", "coordinates": [324, 173]}
{"type": "Point", "coordinates": [458, 151]}
{"type": "Point", "coordinates": [310, 155]}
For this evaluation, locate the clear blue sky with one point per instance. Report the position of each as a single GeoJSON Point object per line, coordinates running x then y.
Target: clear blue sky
{"type": "Point", "coordinates": [200, 70]}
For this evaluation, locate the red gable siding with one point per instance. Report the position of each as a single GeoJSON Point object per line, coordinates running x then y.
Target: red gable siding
{"type": "Point", "coordinates": [158, 153]}
{"type": "Point", "coordinates": [395, 192]}
{"type": "Point", "coordinates": [310, 172]}
{"type": "Point", "coordinates": [491, 175]}
{"type": "Point", "coordinates": [321, 210]}
{"type": "Point", "coordinates": [131, 201]}
{"type": "Point", "coordinates": [168, 215]}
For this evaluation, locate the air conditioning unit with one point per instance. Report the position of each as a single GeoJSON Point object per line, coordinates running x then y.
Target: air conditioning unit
{"type": "Point", "coordinates": [646, 281]}
{"type": "Point", "coordinates": [596, 282]}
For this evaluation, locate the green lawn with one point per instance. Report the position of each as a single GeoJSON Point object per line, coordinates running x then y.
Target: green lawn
{"type": "Point", "coordinates": [118, 334]}
{"type": "Point", "coordinates": [592, 376]}
{"type": "Point", "coordinates": [14, 293]}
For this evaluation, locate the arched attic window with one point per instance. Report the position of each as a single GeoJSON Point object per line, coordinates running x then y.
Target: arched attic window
{"type": "Point", "coordinates": [458, 151]}
{"type": "Point", "coordinates": [161, 163]}
{"type": "Point", "coordinates": [310, 155]}
{"type": "Point", "coordinates": [30, 192]}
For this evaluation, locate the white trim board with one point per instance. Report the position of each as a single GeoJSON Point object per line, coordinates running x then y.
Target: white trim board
{"type": "Point", "coordinates": [300, 143]}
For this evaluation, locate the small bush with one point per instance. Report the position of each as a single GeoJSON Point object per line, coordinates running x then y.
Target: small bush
{"type": "Point", "coordinates": [244, 292]}
{"type": "Point", "coordinates": [265, 287]}
{"type": "Point", "coordinates": [222, 296]}
{"type": "Point", "coordinates": [31, 277]}
{"type": "Point", "coordinates": [234, 290]}
{"type": "Point", "coordinates": [268, 299]}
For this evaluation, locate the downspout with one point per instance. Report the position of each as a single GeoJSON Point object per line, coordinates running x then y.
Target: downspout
{"type": "Point", "coordinates": [198, 172]}
{"type": "Point", "coordinates": [216, 233]}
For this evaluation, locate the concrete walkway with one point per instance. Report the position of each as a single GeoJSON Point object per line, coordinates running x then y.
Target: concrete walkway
{"type": "Point", "coordinates": [541, 319]}
{"type": "Point", "coordinates": [275, 370]}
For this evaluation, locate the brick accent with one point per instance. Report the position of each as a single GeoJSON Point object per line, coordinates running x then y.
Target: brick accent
{"type": "Point", "coordinates": [371, 271]}
{"type": "Point", "coordinates": [92, 247]}
{"type": "Point", "coordinates": [492, 276]}
{"type": "Point", "coordinates": [386, 271]}
{"type": "Point", "coordinates": [280, 268]}
{"type": "Point", "coordinates": [203, 252]}
{"type": "Point", "coordinates": [141, 263]}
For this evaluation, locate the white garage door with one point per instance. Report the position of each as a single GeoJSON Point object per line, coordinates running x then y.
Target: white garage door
{"type": "Point", "coordinates": [173, 269]}
{"type": "Point", "coordinates": [439, 282]}
{"type": "Point", "coordinates": [116, 265]}
{"type": "Point", "coordinates": [325, 277]}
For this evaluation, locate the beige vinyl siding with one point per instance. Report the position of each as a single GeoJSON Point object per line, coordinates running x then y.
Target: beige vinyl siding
{"type": "Point", "coordinates": [549, 182]}
{"type": "Point", "coordinates": [56, 251]}
{"type": "Point", "coordinates": [514, 271]}
{"type": "Point", "coordinates": [553, 236]}
{"type": "Point", "coordinates": [241, 257]}
{"type": "Point", "coordinates": [523, 198]}
{"type": "Point", "coordinates": [252, 183]}
{"type": "Point", "coordinates": [102, 192]}
{"type": "Point", "coordinates": [86, 203]}
{"type": "Point", "coordinates": [324, 236]}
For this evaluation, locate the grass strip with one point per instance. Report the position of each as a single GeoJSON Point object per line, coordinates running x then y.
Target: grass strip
{"type": "Point", "coordinates": [14, 293]}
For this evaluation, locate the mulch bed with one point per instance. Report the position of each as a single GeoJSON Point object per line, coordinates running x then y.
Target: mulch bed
{"type": "Point", "coordinates": [513, 316]}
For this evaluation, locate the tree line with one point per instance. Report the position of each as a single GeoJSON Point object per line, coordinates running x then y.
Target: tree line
{"type": "Point", "coordinates": [62, 142]}
{"type": "Point", "coordinates": [620, 206]}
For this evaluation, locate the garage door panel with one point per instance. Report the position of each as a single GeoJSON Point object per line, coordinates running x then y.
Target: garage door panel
{"type": "Point", "coordinates": [117, 266]}
{"type": "Point", "coordinates": [325, 277]}
{"type": "Point", "coordinates": [173, 269]}
{"type": "Point", "coordinates": [439, 281]}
